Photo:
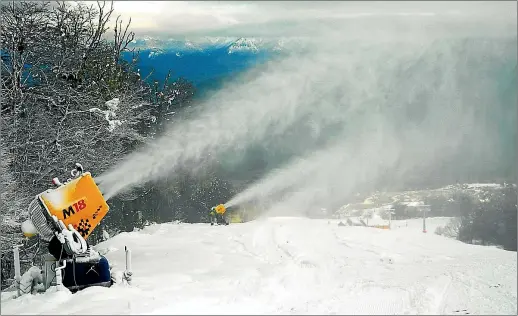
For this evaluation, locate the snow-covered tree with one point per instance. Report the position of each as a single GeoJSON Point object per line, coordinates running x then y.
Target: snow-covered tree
{"type": "Point", "coordinates": [68, 96]}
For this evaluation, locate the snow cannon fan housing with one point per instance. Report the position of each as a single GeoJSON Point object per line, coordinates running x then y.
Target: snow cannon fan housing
{"type": "Point", "coordinates": [78, 202]}
{"type": "Point", "coordinates": [220, 209]}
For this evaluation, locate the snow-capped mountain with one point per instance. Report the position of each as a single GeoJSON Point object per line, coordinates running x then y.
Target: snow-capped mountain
{"type": "Point", "coordinates": [233, 45]}
{"type": "Point", "coordinates": [245, 44]}
{"type": "Point", "coordinates": [204, 61]}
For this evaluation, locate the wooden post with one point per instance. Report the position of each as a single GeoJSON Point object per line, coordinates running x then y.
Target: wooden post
{"type": "Point", "coordinates": [17, 268]}
{"type": "Point", "coordinates": [128, 273]}
{"type": "Point", "coordinates": [424, 210]}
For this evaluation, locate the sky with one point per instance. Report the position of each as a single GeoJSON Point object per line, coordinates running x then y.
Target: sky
{"type": "Point", "coordinates": [284, 18]}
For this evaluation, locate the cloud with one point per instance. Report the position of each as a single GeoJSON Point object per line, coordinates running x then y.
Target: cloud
{"type": "Point", "coordinates": [278, 19]}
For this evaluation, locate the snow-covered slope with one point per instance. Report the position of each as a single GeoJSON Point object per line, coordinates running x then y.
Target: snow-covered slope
{"type": "Point", "coordinates": [294, 266]}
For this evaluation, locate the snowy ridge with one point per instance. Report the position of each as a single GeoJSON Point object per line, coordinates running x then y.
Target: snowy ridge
{"type": "Point", "coordinates": [244, 44]}
{"type": "Point", "coordinates": [293, 266]}
{"type": "Point", "coordinates": [252, 45]}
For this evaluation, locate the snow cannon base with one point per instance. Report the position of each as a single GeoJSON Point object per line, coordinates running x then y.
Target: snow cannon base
{"type": "Point", "coordinates": [78, 202]}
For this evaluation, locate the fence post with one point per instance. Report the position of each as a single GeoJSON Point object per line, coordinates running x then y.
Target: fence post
{"type": "Point", "coordinates": [128, 273]}
{"type": "Point", "coordinates": [17, 268]}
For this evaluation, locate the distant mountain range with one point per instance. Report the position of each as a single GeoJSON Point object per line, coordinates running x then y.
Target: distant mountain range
{"type": "Point", "coordinates": [232, 45]}
{"type": "Point", "coordinates": [206, 62]}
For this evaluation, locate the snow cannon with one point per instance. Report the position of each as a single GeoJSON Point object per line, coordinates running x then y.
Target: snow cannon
{"type": "Point", "coordinates": [220, 209]}
{"type": "Point", "coordinates": [77, 202]}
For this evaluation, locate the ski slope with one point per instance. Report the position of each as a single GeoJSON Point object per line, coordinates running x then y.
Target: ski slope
{"type": "Point", "coordinates": [294, 266]}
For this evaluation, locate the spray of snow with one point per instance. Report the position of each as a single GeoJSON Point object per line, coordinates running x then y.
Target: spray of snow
{"type": "Point", "coordinates": [358, 80]}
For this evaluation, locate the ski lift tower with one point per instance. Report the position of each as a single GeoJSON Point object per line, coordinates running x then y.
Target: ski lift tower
{"type": "Point", "coordinates": [391, 212]}
{"type": "Point", "coordinates": [424, 208]}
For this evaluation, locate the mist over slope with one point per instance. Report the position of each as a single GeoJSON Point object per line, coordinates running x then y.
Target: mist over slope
{"type": "Point", "coordinates": [485, 153]}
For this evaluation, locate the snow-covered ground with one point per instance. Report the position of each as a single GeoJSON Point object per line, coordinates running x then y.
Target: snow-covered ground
{"type": "Point", "coordinates": [294, 266]}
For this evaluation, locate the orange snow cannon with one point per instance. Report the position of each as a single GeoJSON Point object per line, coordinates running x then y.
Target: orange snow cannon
{"type": "Point", "coordinates": [78, 202]}
{"type": "Point", "coordinates": [220, 209]}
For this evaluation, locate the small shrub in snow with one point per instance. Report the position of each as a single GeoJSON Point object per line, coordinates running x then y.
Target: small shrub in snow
{"type": "Point", "coordinates": [452, 228]}
{"type": "Point", "coordinates": [439, 230]}
{"type": "Point", "coordinates": [32, 281]}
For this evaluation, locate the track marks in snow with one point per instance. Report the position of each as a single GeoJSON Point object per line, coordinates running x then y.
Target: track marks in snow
{"type": "Point", "coordinates": [295, 266]}
{"type": "Point", "coordinates": [461, 312]}
{"type": "Point", "coordinates": [335, 265]}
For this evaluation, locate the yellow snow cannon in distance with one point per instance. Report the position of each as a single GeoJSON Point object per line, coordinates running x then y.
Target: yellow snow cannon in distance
{"type": "Point", "coordinates": [78, 202]}
{"type": "Point", "coordinates": [220, 209]}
